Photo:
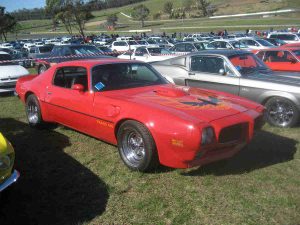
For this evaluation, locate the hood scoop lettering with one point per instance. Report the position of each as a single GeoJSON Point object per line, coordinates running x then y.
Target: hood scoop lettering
{"type": "Point", "coordinates": [170, 92]}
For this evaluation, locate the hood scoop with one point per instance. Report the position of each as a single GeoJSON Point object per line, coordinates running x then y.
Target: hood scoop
{"type": "Point", "coordinates": [170, 92]}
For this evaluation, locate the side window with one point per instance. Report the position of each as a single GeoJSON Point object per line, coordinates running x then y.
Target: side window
{"type": "Point", "coordinates": [180, 48]}
{"type": "Point", "coordinates": [140, 52]}
{"type": "Point", "coordinates": [207, 64]}
{"type": "Point", "coordinates": [66, 77]}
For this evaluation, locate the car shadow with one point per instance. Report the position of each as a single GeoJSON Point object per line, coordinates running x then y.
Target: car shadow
{"type": "Point", "coordinates": [53, 188]}
{"type": "Point", "coordinates": [266, 149]}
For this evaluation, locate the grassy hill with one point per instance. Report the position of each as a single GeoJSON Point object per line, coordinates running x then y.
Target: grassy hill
{"type": "Point", "coordinates": [190, 24]}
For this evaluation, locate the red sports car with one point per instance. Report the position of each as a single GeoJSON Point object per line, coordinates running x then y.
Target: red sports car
{"type": "Point", "coordinates": [281, 58]}
{"type": "Point", "coordinates": [131, 105]}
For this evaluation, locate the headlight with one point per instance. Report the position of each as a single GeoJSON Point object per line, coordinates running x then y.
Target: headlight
{"type": "Point", "coordinates": [208, 135]}
{"type": "Point", "coordinates": [5, 162]}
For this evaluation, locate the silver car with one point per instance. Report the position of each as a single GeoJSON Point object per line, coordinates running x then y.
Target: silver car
{"type": "Point", "coordinates": [240, 73]}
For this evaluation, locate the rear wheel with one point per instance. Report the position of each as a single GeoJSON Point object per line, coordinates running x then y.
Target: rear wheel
{"type": "Point", "coordinates": [281, 112]}
{"type": "Point", "coordinates": [136, 146]}
{"type": "Point", "coordinates": [33, 112]}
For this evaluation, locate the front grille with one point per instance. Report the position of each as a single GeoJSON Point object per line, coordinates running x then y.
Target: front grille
{"type": "Point", "coordinates": [233, 133]}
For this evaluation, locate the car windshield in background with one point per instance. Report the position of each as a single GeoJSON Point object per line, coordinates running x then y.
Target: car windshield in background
{"type": "Point", "coordinates": [132, 43]}
{"type": "Point", "coordinates": [247, 63]}
{"type": "Point", "coordinates": [152, 41]}
{"type": "Point", "coordinates": [84, 49]}
{"type": "Point", "coordinates": [237, 44]}
{"type": "Point", "coordinates": [264, 43]}
{"type": "Point", "coordinates": [4, 57]}
{"type": "Point", "coordinates": [124, 75]}
{"type": "Point", "coordinates": [45, 49]}
{"type": "Point", "coordinates": [157, 51]}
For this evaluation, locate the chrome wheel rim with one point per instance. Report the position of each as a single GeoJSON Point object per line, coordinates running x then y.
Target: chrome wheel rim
{"type": "Point", "coordinates": [281, 113]}
{"type": "Point", "coordinates": [42, 69]}
{"type": "Point", "coordinates": [32, 112]}
{"type": "Point", "coordinates": [133, 148]}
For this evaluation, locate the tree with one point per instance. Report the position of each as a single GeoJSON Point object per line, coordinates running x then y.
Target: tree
{"type": "Point", "coordinates": [168, 8]}
{"type": "Point", "coordinates": [187, 4]}
{"type": "Point", "coordinates": [140, 13]}
{"type": "Point", "coordinates": [112, 20]}
{"type": "Point", "coordinates": [206, 8]}
{"type": "Point", "coordinates": [81, 13]}
{"type": "Point", "coordinates": [7, 23]}
{"type": "Point", "coordinates": [52, 8]}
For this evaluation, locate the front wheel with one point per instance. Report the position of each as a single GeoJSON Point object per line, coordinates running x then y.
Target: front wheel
{"type": "Point", "coordinates": [42, 69]}
{"type": "Point", "coordinates": [33, 112]}
{"type": "Point", "coordinates": [281, 112]}
{"type": "Point", "coordinates": [136, 146]}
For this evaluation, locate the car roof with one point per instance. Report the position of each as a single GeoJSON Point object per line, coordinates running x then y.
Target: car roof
{"type": "Point", "coordinates": [94, 62]}
{"type": "Point", "coordinates": [5, 53]}
{"type": "Point", "coordinates": [226, 52]}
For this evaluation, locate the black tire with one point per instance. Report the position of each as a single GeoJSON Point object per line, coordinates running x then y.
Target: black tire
{"type": "Point", "coordinates": [281, 112]}
{"type": "Point", "coordinates": [137, 147]}
{"type": "Point", "coordinates": [33, 112]}
{"type": "Point", "coordinates": [42, 69]}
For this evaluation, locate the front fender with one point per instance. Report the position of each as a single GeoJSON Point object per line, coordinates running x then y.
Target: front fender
{"type": "Point", "coordinates": [269, 94]}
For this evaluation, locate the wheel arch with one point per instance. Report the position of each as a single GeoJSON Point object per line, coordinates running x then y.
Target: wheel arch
{"type": "Point", "coordinates": [273, 94]}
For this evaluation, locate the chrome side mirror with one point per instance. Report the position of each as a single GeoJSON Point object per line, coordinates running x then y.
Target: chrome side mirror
{"type": "Point", "coordinates": [222, 72]}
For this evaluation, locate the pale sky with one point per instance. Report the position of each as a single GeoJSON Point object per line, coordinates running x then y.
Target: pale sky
{"type": "Point", "coordinates": [11, 5]}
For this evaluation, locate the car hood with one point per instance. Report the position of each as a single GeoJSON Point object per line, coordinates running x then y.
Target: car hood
{"type": "Point", "coordinates": [12, 71]}
{"type": "Point", "coordinates": [283, 78]}
{"type": "Point", "coordinates": [185, 102]}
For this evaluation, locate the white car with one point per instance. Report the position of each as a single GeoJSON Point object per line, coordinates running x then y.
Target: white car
{"type": "Point", "coordinates": [9, 73]}
{"type": "Point", "coordinates": [148, 54]}
{"type": "Point", "coordinates": [287, 37]}
{"type": "Point", "coordinates": [6, 45]}
{"type": "Point", "coordinates": [28, 45]}
{"type": "Point", "coordinates": [253, 43]}
{"type": "Point", "coordinates": [122, 46]}
{"type": "Point", "coordinates": [227, 44]}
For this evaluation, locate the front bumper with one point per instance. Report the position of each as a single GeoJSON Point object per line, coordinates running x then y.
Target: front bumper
{"type": "Point", "coordinates": [12, 179]}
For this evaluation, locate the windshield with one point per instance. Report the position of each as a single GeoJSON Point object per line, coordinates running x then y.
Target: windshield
{"type": "Point", "coordinates": [123, 76]}
{"type": "Point", "coordinates": [142, 42]}
{"type": "Point", "coordinates": [45, 49]}
{"type": "Point", "coordinates": [156, 51]}
{"type": "Point", "coordinates": [132, 43]}
{"type": "Point", "coordinates": [264, 43]}
{"type": "Point", "coordinates": [247, 63]}
{"type": "Point", "coordinates": [84, 49]}
{"type": "Point", "coordinates": [150, 41]}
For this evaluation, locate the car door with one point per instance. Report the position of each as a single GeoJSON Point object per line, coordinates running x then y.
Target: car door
{"type": "Point", "coordinates": [67, 106]}
{"type": "Point", "coordinates": [212, 72]}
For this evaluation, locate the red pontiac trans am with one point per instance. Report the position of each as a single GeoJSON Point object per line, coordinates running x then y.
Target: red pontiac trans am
{"type": "Point", "coordinates": [131, 105]}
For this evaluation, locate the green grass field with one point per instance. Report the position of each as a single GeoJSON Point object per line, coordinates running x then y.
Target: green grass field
{"type": "Point", "coordinates": [96, 26]}
{"type": "Point", "coordinates": [71, 178]}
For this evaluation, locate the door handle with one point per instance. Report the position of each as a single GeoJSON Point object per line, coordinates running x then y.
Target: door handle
{"type": "Point", "coordinates": [49, 93]}
{"type": "Point", "coordinates": [191, 73]}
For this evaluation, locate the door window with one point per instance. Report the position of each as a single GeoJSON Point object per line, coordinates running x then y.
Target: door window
{"type": "Point", "coordinates": [66, 77]}
{"type": "Point", "coordinates": [207, 64]}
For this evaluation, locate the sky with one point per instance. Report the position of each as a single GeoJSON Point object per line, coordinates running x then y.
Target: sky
{"type": "Point", "coordinates": [12, 5]}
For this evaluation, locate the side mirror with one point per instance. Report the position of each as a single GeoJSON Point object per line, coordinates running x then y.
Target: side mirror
{"type": "Point", "coordinates": [146, 55]}
{"type": "Point", "coordinates": [293, 61]}
{"type": "Point", "coordinates": [222, 72]}
{"type": "Point", "coordinates": [78, 87]}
